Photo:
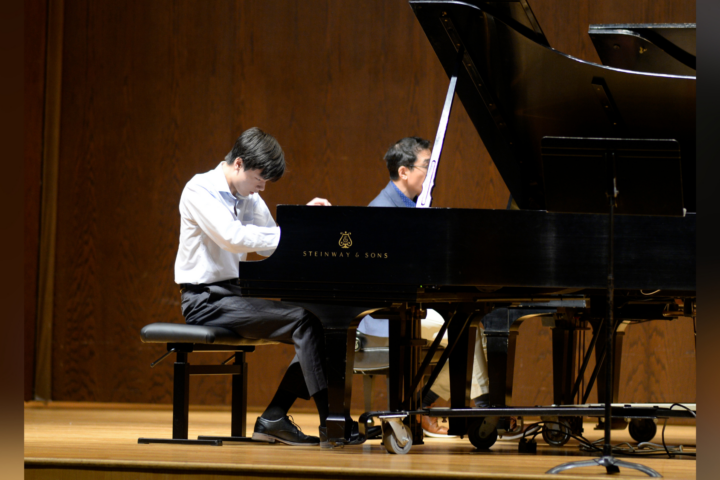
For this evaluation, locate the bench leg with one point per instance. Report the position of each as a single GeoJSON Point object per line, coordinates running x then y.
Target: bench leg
{"type": "Point", "coordinates": [238, 409]}
{"type": "Point", "coordinates": [181, 396]}
{"type": "Point", "coordinates": [238, 426]}
{"type": "Point", "coordinates": [181, 407]}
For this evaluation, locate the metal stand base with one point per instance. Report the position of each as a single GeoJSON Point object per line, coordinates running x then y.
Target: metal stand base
{"type": "Point", "coordinates": [611, 464]}
{"type": "Point", "coordinates": [226, 439]}
{"type": "Point", "coordinates": [180, 441]}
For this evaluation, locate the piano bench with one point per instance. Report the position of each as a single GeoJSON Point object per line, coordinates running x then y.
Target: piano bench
{"type": "Point", "coordinates": [183, 339]}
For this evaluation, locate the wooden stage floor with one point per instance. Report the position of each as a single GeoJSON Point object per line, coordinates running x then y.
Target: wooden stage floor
{"type": "Point", "coordinates": [84, 441]}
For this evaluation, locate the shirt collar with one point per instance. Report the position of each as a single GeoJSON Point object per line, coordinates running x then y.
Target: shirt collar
{"type": "Point", "coordinates": [407, 201]}
{"type": "Point", "coordinates": [220, 182]}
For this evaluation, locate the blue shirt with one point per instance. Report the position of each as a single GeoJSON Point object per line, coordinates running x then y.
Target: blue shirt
{"type": "Point", "coordinates": [379, 326]}
{"type": "Point", "coordinates": [407, 201]}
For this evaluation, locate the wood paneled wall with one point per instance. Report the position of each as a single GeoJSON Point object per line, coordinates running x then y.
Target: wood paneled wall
{"type": "Point", "coordinates": [34, 98]}
{"type": "Point", "coordinates": [154, 92]}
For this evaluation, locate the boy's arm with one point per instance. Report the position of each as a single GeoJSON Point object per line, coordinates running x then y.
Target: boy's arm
{"type": "Point", "coordinates": [262, 216]}
{"type": "Point", "coordinates": [218, 223]}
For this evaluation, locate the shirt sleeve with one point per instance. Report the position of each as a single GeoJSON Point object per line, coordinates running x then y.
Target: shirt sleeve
{"type": "Point", "coordinates": [214, 219]}
{"type": "Point", "coordinates": [262, 216]}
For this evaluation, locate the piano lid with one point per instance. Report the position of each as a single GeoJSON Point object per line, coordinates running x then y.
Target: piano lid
{"type": "Point", "coordinates": [655, 48]}
{"type": "Point", "coordinates": [517, 90]}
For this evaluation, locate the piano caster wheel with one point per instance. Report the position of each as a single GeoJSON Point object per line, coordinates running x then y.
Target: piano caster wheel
{"type": "Point", "coordinates": [482, 432]}
{"type": "Point", "coordinates": [642, 429]}
{"type": "Point", "coordinates": [397, 437]}
{"type": "Point", "coordinates": [557, 433]}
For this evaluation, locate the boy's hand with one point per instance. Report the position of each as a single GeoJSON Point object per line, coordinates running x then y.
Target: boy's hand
{"type": "Point", "coordinates": [319, 201]}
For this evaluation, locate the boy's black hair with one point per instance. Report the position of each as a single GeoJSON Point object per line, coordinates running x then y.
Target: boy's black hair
{"type": "Point", "coordinates": [404, 154]}
{"type": "Point", "coordinates": [259, 151]}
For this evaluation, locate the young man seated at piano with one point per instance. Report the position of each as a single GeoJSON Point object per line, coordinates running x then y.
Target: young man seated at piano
{"type": "Point", "coordinates": [222, 218]}
{"type": "Point", "coordinates": [407, 162]}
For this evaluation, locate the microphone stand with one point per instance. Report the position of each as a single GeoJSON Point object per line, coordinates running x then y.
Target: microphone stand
{"type": "Point", "coordinates": [611, 464]}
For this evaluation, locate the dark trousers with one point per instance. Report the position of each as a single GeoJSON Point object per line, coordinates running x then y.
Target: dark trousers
{"type": "Point", "coordinates": [220, 305]}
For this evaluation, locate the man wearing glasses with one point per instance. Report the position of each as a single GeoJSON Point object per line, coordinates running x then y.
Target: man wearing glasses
{"type": "Point", "coordinates": [407, 162]}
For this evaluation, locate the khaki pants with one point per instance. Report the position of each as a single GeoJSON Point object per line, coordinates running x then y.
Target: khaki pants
{"type": "Point", "coordinates": [430, 327]}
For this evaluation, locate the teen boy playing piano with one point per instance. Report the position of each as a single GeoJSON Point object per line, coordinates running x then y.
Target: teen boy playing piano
{"type": "Point", "coordinates": [222, 218]}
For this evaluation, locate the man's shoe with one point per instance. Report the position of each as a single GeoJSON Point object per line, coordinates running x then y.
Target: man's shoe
{"type": "Point", "coordinates": [432, 429]}
{"type": "Point", "coordinates": [515, 425]}
{"type": "Point", "coordinates": [283, 430]}
{"type": "Point", "coordinates": [483, 401]}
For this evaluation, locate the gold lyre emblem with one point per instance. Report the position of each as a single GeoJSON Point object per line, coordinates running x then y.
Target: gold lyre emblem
{"type": "Point", "coordinates": [345, 240]}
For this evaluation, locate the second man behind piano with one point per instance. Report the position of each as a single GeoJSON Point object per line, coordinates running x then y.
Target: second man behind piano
{"type": "Point", "coordinates": [407, 162]}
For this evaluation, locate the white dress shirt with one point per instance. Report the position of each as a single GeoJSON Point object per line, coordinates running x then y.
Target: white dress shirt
{"type": "Point", "coordinates": [217, 229]}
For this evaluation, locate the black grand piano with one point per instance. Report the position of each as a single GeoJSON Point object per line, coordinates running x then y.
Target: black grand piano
{"type": "Point", "coordinates": [656, 48]}
{"type": "Point", "coordinates": [549, 257]}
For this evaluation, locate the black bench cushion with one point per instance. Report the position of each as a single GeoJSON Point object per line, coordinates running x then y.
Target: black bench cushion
{"type": "Point", "coordinates": [183, 333]}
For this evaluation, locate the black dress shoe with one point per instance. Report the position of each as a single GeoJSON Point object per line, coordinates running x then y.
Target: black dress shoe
{"type": "Point", "coordinates": [355, 437]}
{"type": "Point", "coordinates": [483, 401]}
{"type": "Point", "coordinates": [282, 430]}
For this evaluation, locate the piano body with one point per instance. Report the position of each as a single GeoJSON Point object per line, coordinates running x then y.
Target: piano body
{"type": "Point", "coordinates": [655, 48]}
{"type": "Point", "coordinates": [496, 266]}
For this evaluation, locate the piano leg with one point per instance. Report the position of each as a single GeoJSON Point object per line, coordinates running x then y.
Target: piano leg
{"type": "Point", "coordinates": [340, 357]}
{"type": "Point", "coordinates": [563, 330]}
{"type": "Point", "coordinates": [397, 360]}
{"type": "Point", "coordinates": [510, 373]}
{"type": "Point", "coordinates": [563, 341]}
{"type": "Point", "coordinates": [460, 369]}
{"type": "Point", "coordinates": [501, 330]}
{"type": "Point", "coordinates": [414, 352]}
{"type": "Point", "coordinates": [501, 327]}
{"type": "Point", "coordinates": [405, 358]}
{"type": "Point", "coordinates": [563, 352]}
{"type": "Point", "coordinates": [617, 423]}
{"type": "Point", "coordinates": [339, 324]}
{"type": "Point", "coordinates": [497, 331]}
